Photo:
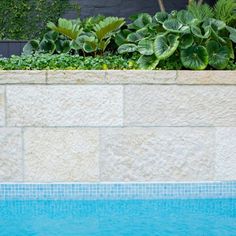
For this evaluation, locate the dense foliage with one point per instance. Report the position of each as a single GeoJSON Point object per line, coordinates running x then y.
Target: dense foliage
{"type": "Point", "coordinates": [66, 62]}
{"type": "Point", "coordinates": [200, 37]}
{"type": "Point", "coordinates": [88, 37]}
{"type": "Point", "coordinates": [76, 62]}
{"type": "Point", "coordinates": [197, 41]}
{"type": "Point", "coordinates": [26, 19]}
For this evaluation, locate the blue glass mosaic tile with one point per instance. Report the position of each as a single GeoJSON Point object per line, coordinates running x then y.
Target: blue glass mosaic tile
{"type": "Point", "coordinates": [80, 191]}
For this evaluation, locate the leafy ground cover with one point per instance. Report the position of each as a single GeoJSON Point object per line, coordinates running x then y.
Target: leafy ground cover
{"type": "Point", "coordinates": [200, 37]}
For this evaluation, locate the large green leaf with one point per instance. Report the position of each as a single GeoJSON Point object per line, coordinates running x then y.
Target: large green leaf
{"type": "Point", "coordinates": [216, 24]}
{"type": "Point", "coordinates": [47, 46]}
{"type": "Point", "coordinates": [51, 35]}
{"type": "Point", "coordinates": [138, 35]}
{"type": "Point", "coordinates": [90, 45]}
{"type": "Point", "coordinates": [218, 55]}
{"type": "Point", "coordinates": [141, 20]}
{"type": "Point", "coordinates": [127, 48]}
{"type": "Point", "coordinates": [194, 57]}
{"type": "Point", "coordinates": [145, 47]}
{"type": "Point", "coordinates": [69, 28]}
{"type": "Point", "coordinates": [186, 41]}
{"type": "Point", "coordinates": [216, 34]}
{"type": "Point", "coordinates": [160, 17]}
{"type": "Point", "coordinates": [165, 46]}
{"type": "Point", "coordinates": [107, 26]}
{"type": "Point", "coordinates": [63, 46]}
{"type": "Point", "coordinates": [121, 37]}
{"type": "Point", "coordinates": [172, 25]}
{"type": "Point", "coordinates": [202, 33]}
{"type": "Point", "coordinates": [185, 17]}
{"type": "Point", "coordinates": [31, 47]}
{"type": "Point", "coordinates": [148, 62]}
{"type": "Point", "coordinates": [81, 39]}
{"type": "Point", "coordinates": [232, 32]}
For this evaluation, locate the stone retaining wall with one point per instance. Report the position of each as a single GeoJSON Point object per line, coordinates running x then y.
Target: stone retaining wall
{"type": "Point", "coordinates": [92, 126]}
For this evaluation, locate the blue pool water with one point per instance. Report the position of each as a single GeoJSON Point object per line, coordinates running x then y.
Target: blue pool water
{"type": "Point", "coordinates": [200, 217]}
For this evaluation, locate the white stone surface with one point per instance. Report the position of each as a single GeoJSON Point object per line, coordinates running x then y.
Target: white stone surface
{"type": "Point", "coordinates": [2, 106]}
{"type": "Point", "coordinates": [22, 77]}
{"type": "Point", "coordinates": [206, 77]}
{"type": "Point", "coordinates": [61, 154]}
{"type": "Point", "coordinates": [140, 77]}
{"type": "Point", "coordinates": [11, 164]}
{"type": "Point", "coordinates": [61, 105]}
{"type": "Point", "coordinates": [76, 77]}
{"type": "Point", "coordinates": [157, 154]}
{"type": "Point", "coordinates": [162, 105]}
{"type": "Point", "coordinates": [225, 154]}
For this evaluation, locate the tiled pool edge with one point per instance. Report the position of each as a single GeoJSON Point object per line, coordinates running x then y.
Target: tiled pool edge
{"type": "Point", "coordinates": [117, 191]}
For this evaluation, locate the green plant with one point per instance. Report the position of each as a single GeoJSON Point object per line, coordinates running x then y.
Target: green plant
{"type": "Point", "coordinates": [27, 19]}
{"type": "Point", "coordinates": [200, 11]}
{"type": "Point", "coordinates": [91, 36]}
{"type": "Point", "coordinates": [66, 62]}
{"type": "Point", "coordinates": [199, 40]}
{"type": "Point", "coordinates": [226, 11]}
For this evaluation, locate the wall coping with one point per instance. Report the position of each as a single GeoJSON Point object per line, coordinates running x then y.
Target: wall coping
{"type": "Point", "coordinates": [182, 77]}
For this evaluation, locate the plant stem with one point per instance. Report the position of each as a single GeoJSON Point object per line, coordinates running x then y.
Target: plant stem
{"type": "Point", "coordinates": [161, 5]}
{"type": "Point", "coordinates": [200, 2]}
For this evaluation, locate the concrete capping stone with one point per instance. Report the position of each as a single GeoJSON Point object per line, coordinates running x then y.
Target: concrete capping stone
{"type": "Point", "coordinates": [76, 77]}
{"type": "Point", "coordinates": [141, 76]}
{"type": "Point", "coordinates": [118, 77]}
{"type": "Point", "coordinates": [23, 76]}
{"type": "Point", "coordinates": [206, 77]}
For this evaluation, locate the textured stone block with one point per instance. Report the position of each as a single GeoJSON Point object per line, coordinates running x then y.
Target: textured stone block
{"type": "Point", "coordinates": [23, 76]}
{"type": "Point", "coordinates": [157, 154]}
{"type": "Point", "coordinates": [159, 105]}
{"type": "Point", "coordinates": [65, 105]}
{"type": "Point", "coordinates": [76, 77]}
{"type": "Point", "coordinates": [225, 154]}
{"type": "Point", "coordinates": [58, 154]}
{"type": "Point", "coordinates": [2, 106]}
{"type": "Point", "coordinates": [140, 77]}
{"type": "Point", "coordinates": [11, 164]}
{"type": "Point", "coordinates": [206, 77]}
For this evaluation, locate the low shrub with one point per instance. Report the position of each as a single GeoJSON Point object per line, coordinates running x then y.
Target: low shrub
{"type": "Point", "coordinates": [66, 62]}
{"type": "Point", "coordinates": [197, 38]}
{"type": "Point", "coordinates": [77, 62]}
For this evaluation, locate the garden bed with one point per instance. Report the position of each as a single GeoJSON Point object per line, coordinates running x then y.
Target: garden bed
{"type": "Point", "coordinates": [117, 126]}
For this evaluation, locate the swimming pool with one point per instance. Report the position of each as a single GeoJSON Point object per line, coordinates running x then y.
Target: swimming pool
{"type": "Point", "coordinates": [118, 209]}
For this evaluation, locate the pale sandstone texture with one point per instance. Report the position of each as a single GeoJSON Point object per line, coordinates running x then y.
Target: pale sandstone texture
{"type": "Point", "coordinates": [24, 77]}
{"type": "Point", "coordinates": [11, 161]}
{"type": "Point", "coordinates": [180, 105]}
{"type": "Point", "coordinates": [157, 154]}
{"type": "Point", "coordinates": [140, 77]}
{"type": "Point", "coordinates": [76, 77]}
{"type": "Point", "coordinates": [61, 154]}
{"type": "Point", "coordinates": [225, 154]}
{"type": "Point", "coordinates": [2, 106]}
{"type": "Point", "coordinates": [65, 105]}
{"type": "Point", "coordinates": [206, 77]}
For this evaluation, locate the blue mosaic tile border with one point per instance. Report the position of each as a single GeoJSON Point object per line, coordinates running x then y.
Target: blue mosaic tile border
{"type": "Point", "coordinates": [116, 191]}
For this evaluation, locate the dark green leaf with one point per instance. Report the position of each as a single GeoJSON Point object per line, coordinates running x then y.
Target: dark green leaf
{"type": "Point", "coordinates": [194, 57]}
{"type": "Point", "coordinates": [218, 55]}
{"type": "Point", "coordinates": [145, 47]}
{"type": "Point", "coordinates": [165, 46]}
{"type": "Point", "coordinates": [148, 62]}
{"type": "Point", "coordinates": [127, 48]}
